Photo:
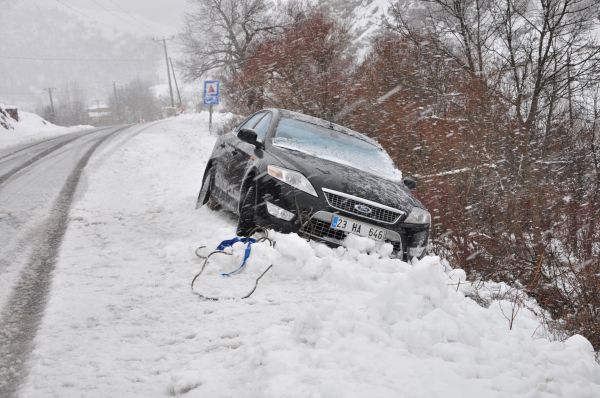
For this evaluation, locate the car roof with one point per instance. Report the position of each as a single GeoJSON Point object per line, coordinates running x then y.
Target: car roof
{"type": "Point", "coordinates": [324, 123]}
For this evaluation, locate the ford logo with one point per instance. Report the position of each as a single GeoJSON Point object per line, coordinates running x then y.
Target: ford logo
{"type": "Point", "coordinates": [363, 209]}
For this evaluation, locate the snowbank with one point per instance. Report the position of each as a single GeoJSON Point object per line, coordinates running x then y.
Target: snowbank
{"type": "Point", "coordinates": [349, 322]}
{"type": "Point", "coordinates": [29, 128]}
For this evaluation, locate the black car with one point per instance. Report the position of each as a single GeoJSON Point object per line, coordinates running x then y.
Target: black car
{"type": "Point", "coordinates": [296, 173]}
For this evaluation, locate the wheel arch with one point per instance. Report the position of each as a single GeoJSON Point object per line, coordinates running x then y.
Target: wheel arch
{"type": "Point", "coordinates": [209, 165]}
{"type": "Point", "coordinates": [204, 194]}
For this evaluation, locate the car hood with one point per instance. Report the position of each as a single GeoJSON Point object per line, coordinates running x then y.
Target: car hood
{"type": "Point", "coordinates": [324, 173]}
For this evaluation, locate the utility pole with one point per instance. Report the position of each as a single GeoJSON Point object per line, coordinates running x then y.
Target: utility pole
{"type": "Point", "coordinates": [117, 103]}
{"type": "Point", "coordinates": [49, 90]}
{"type": "Point", "coordinates": [164, 40]}
{"type": "Point", "coordinates": [175, 80]}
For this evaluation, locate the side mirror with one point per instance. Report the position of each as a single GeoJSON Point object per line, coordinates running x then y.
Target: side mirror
{"type": "Point", "coordinates": [249, 136]}
{"type": "Point", "coordinates": [410, 183]}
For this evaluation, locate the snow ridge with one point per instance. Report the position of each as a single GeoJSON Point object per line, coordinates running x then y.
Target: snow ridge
{"type": "Point", "coordinates": [29, 128]}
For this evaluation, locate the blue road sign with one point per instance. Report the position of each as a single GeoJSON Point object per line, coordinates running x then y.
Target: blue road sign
{"type": "Point", "coordinates": [211, 92]}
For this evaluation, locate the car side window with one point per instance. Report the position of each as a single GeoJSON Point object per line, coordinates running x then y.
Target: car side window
{"type": "Point", "coordinates": [250, 123]}
{"type": "Point", "coordinates": [263, 127]}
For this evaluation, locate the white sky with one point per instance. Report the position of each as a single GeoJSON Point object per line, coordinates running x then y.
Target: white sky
{"type": "Point", "coordinates": [27, 77]}
{"type": "Point", "coordinates": [146, 17]}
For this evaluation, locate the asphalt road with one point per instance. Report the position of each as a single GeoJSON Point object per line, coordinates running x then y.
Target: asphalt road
{"type": "Point", "coordinates": [38, 183]}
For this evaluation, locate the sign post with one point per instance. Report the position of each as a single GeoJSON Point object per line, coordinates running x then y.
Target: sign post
{"type": "Point", "coordinates": [211, 97]}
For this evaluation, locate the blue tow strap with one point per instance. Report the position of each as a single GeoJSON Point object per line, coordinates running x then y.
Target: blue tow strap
{"type": "Point", "coordinates": [229, 243]}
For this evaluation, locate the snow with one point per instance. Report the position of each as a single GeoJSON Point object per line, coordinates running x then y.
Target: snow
{"type": "Point", "coordinates": [336, 144]}
{"type": "Point", "coordinates": [31, 128]}
{"type": "Point", "coordinates": [373, 163]}
{"type": "Point", "coordinates": [367, 21]}
{"type": "Point", "coordinates": [352, 322]}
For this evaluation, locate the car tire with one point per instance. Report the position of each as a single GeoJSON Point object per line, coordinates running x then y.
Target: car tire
{"type": "Point", "coordinates": [246, 221]}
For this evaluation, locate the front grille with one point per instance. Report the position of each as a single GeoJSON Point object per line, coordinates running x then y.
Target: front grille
{"type": "Point", "coordinates": [348, 205]}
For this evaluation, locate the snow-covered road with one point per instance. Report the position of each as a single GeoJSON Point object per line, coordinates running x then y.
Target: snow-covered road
{"type": "Point", "coordinates": [37, 186]}
{"type": "Point", "coordinates": [121, 319]}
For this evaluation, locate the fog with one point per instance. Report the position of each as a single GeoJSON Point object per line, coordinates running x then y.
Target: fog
{"type": "Point", "coordinates": [494, 106]}
{"type": "Point", "coordinates": [81, 48]}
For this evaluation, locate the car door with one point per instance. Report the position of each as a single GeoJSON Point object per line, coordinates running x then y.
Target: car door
{"type": "Point", "coordinates": [238, 154]}
{"type": "Point", "coordinates": [247, 151]}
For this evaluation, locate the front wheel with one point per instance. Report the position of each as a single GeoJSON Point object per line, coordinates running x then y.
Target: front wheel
{"type": "Point", "coordinates": [246, 221]}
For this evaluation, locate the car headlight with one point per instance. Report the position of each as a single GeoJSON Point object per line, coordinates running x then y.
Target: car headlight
{"type": "Point", "coordinates": [293, 178]}
{"type": "Point", "coordinates": [418, 216]}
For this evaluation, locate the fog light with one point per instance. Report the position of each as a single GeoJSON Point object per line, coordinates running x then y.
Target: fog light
{"type": "Point", "coordinates": [278, 212]}
{"type": "Point", "coordinates": [417, 243]}
{"type": "Point", "coordinates": [416, 251]}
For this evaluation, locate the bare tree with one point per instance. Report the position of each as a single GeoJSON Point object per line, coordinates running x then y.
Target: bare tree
{"type": "Point", "coordinates": [534, 53]}
{"type": "Point", "coordinates": [218, 34]}
{"type": "Point", "coordinates": [73, 107]}
{"type": "Point", "coordinates": [548, 51]}
{"type": "Point", "coordinates": [136, 103]}
{"type": "Point", "coordinates": [465, 24]}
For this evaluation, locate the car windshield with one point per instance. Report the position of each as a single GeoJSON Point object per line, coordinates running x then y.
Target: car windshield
{"type": "Point", "coordinates": [335, 146]}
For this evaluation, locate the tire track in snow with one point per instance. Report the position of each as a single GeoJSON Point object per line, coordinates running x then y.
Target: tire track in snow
{"type": "Point", "coordinates": [26, 147]}
{"type": "Point", "coordinates": [37, 157]}
{"type": "Point", "coordinates": [24, 310]}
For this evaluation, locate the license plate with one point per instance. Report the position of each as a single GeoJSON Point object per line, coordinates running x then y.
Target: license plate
{"type": "Point", "coordinates": [357, 228]}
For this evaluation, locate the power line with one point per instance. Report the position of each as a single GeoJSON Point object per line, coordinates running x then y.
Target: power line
{"type": "Point", "coordinates": [106, 9]}
{"type": "Point", "coordinates": [13, 94]}
{"type": "Point", "coordinates": [76, 59]}
{"type": "Point", "coordinates": [101, 6]}
{"type": "Point", "coordinates": [133, 17]}
{"type": "Point", "coordinates": [75, 10]}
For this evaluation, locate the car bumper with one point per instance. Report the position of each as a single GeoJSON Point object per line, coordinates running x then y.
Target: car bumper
{"type": "Point", "coordinates": [312, 218]}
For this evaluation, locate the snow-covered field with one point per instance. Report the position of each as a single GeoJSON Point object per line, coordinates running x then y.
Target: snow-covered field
{"type": "Point", "coordinates": [30, 128]}
{"type": "Point", "coordinates": [122, 320]}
